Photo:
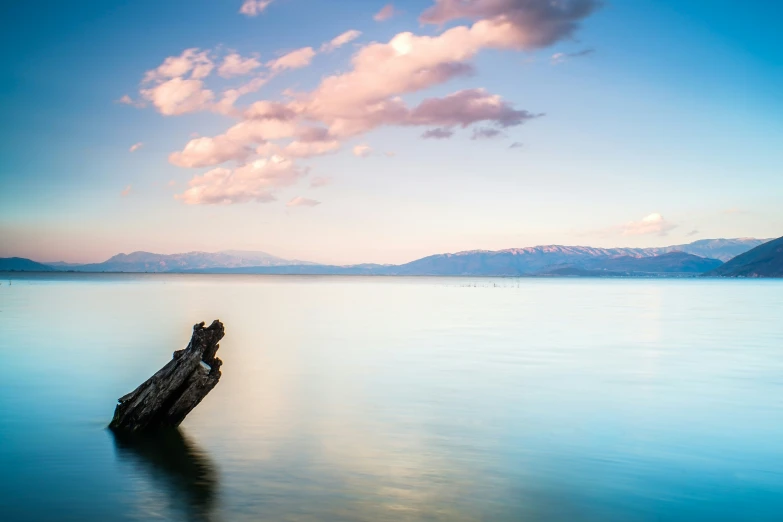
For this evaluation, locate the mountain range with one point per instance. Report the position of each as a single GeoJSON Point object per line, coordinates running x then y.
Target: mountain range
{"type": "Point", "coordinates": [548, 260]}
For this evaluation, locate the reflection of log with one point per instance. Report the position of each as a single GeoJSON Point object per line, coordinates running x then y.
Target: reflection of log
{"type": "Point", "coordinates": [176, 467]}
{"type": "Point", "coordinates": [167, 397]}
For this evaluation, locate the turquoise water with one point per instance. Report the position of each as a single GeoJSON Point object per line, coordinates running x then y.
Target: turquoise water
{"type": "Point", "coordinates": [394, 399]}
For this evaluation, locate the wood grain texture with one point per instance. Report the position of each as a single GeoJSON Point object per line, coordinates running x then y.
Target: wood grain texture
{"type": "Point", "coordinates": [166, 398]}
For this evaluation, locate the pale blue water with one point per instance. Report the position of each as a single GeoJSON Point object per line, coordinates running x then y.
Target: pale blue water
{"type": "Point", "coordinates": [394, 399]}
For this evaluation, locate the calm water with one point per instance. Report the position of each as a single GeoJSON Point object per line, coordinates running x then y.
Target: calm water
{"type": "Point", "coordinates": [394, 399]}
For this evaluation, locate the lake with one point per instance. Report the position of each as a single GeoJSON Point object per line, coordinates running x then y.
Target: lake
{"type": "Point", "coordinates": [396, 399]}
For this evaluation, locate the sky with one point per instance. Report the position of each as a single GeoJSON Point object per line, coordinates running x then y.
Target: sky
{"type": "Point", "coordinates": [362, 131]}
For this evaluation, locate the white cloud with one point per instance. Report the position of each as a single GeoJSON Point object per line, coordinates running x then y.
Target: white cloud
{"type": "Point", "coordinates": [651, 224]}
{"type": "Point", "coordinates": [385, 13]}
{"type": "Point", "coordinates": [362, 151]}
{"type": "Point", "coordinates": [254, 7]}
{"type": "Point", "coordinates": [234, 65]}
{"type": "Point", "coordinates": [302, 202]}
{"type": "Point", "coordinates": [135, 147]}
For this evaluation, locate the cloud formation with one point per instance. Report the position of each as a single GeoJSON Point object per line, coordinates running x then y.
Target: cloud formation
{"type": "Point", "coordinates": [362, 151]}
{"type": "Point", "coordinates": [340, 40]}
{"type": "Point", "coordinates": [126, 191]}
{"type": "Point", "coordinates": [653, 224]}
{"type": "Point", "coordinates": [320, 181]}
{"type": "Point", "coordinates": [385, 13]}
{"type": "Point", "coordinates": [135, 147]}
{"type": "Point", "coordinates": [254, 7]}
{"type": "Point", "coordinates": [234, 65]}
{"type": "Point", "coordinates": [267, 136]}
{"type": "Point", "coordinates": [302, 202]}
{"type": "Point", "coordinates": [525, 24]}
{"type": "Point", "coordinates": [485, 133]}
{"type": "Point", "coordinates": [293, 60]}
{"type": "Point", "coordinates": [254, 181]}
{"type": "Point", "coordinates": [438, 133]}
{"type": "Point", "coordinates": [559, 58]}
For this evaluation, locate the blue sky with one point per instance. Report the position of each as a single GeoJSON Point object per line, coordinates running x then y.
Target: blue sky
{"type": "Point", "coordinates": [668, 130]}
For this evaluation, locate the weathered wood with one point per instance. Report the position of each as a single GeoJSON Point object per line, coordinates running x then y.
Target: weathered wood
{"type": "Point", "coordinates": [165, 399]}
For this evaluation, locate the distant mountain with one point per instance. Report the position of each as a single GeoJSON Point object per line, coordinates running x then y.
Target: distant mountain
{"type": "Point", "coordinates": [693, 258]}
{"type": "Point", "coordinates": [723, 249]}
{"type": "Point", "coordinates": [763, 261]}
{"type": "Point", "coordinates": [509, 263]}
{"type": "Point", "coordinates": [672, 262]}
{"type": "Point", "coordinates": [190, 261]}
{"type": "Point", "coordinates": [20, 264]}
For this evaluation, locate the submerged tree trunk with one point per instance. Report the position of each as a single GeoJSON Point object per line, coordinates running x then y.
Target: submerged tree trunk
{"type": "Point", "coordinates": [165, 399]}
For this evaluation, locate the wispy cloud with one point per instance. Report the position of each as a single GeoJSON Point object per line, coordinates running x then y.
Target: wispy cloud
{"type": "Point", "coordinates": [692, 233]}
{"type": "Point", "coordinates": [516, 145]}
{"type": "Point", "coordinates": [320, 181]}
{"type": "Point", "coordinates": [302, 202]}
{"type": "Point", "coordinates": [126, 191]}
{"type": "Point", "coordinates": [653, 224]}
{"type": "Point", "coordinates": [559, 58]}
{"type": "Point", "coordinates": [385, 13]}
{"type": "Point", "coordinates": [362, 151]}
{"type": "Point", "coordinates": [293, 60]}
{"type": "Point", "coordinates": [254, 7]}
{"type": "Point", "coordinates": [340, 40]}
{"type": "Point", "coordinates": [135, 147]}
{"type": "Point", "coordinates": [485, 133]}
{"type": "Point", "coordinates": [438, 133]}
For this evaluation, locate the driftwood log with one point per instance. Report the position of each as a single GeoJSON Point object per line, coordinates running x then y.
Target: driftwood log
{"type": "Point", "coordinates": [165, 399]}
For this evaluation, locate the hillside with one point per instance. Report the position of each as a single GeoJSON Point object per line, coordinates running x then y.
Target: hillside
{"type": "Point", "coordinates": [763, 261]}
{"type": "Point", "coordinates": [20, 264]}
{"type": "Point", "coordinates": [723, 249]}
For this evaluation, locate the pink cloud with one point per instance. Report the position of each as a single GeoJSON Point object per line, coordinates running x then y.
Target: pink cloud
{"type": "Point", "coordinates": [468, 107]}
{"type": "Point", "coordinates": [255, 181]}
{"type": "Point", "coordinates": [320, 181]}
{"type": "Point", "coordinates": [234, 65]}
{"type": "Point", "coordinates": [339, 41]}
{"type": "Point", "coordinates": [192, 61]}
{"type": "Point", "coordinates": [302, 202]}
{"type": "Point", "coordinates": [206, 151]}
{"type": "Point", "coordinates": [125, 100]}
{"type": "Point", "coordinates": [178, 96]}
{"type": "Point", "coordinates": [254, 7]}
{"type": "Point", "coordinates": [293, 60]}
{"type": "Point", "coordinates": [126, 191]}
{"type": "Point", "coordinates": [526, 24]}
{"type": "Point", "coordinates": [135, 147]}
{"type": "Point", "coordinates": [385, 13]}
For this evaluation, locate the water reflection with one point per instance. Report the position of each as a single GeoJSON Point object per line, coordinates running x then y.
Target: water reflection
{"type": "Point", "coordinates": [177, 468]}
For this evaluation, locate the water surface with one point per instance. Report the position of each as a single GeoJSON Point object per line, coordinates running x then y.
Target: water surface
{"type": "Point", "coordinates": [394, 399]}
